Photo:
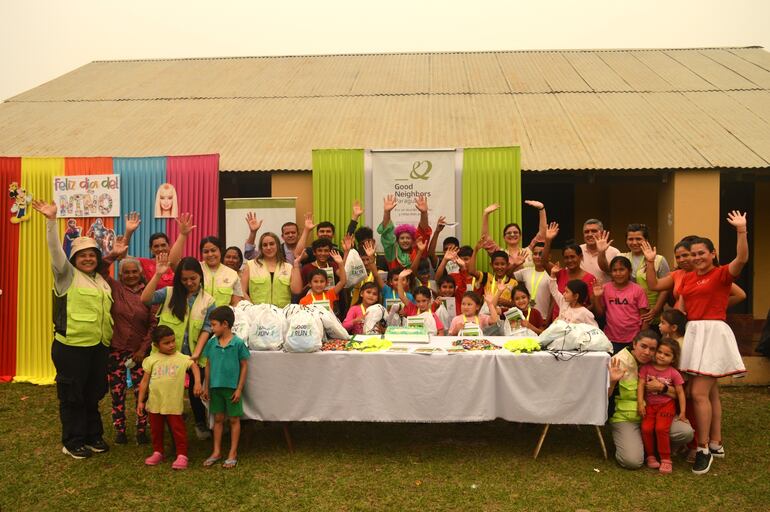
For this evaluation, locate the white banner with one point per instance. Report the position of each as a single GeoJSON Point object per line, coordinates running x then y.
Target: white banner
{"type": "Point", "coordinates": [96, 195]}
{"type": "Point", "coordinates": [407, 174]}
{"type": "Point", "coordinates": [273, 211]}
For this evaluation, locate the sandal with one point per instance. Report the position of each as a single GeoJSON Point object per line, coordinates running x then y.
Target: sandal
{"type": "Point", "coordinates": [230, 463]}
{"type": "Point", "coordinates": [211, 461]}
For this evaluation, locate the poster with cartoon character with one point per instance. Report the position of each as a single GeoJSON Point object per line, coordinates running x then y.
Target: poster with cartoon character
{"type": "Point", "coordinates": [103, 235]}
{"type": "Point", "coordinates": [72, 232]}
{"type": "Point", "coordinates": [21, 201]}
{"type": "Point", "coordinates": [166, 206]}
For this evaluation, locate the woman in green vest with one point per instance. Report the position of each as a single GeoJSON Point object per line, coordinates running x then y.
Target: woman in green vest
{"type": "Point", "coordinates": [219, 280]}
{"type": "Point", "coordinates": [185, 309]}
{"type": "Point", "coordinates": [625, 421]}
{"type": "Point", "coordinates": [83, 331]}
{"type": "Point", "coordinates": [267, 279]}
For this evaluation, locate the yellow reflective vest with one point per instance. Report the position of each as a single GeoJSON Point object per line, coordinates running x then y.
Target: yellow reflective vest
{"type": "Point", "coordinates": [88, 318]}
{"type": "Point", "coordinates": [192, 322]}
{"type": "Point", "coordinates": [263, 290]}
{"type": "Point", "coordinates": [219, 283]}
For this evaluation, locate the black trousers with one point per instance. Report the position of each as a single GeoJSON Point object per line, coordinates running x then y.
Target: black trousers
{"type": "Point", "coordinates": [196, 404]}
{"type": "Point", "coordinates": [81, 382]}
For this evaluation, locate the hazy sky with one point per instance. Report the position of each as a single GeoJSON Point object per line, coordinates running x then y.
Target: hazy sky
{"type": "Point", "coordinates": [42, 39]}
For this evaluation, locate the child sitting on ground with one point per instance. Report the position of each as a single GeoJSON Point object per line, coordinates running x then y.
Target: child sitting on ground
{"type": "Point", "coordinates": [225, 378]}
{"type": "Point", "coordinates": [164, 375]}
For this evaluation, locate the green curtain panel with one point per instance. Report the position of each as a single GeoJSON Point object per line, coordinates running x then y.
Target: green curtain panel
{"type": "Point", "coordinates": [490, 175]}
{"type": "Point", "coordinates": [338, 179]}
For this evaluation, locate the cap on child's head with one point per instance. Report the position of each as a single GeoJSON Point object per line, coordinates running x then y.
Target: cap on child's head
{"type": "Point", "coordinates": [161, 332]}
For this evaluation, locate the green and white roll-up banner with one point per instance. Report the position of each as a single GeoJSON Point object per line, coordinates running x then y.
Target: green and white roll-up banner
{"type": "Point", "coordinates": [273, 211]}
{"type": "Point", "coordinates": [407, 174]}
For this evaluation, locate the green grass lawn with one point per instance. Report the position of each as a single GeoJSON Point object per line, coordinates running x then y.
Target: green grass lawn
{"type": "Point", "coordinates": [350, 466]}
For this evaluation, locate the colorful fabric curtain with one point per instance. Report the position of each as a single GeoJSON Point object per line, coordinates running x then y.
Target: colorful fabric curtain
{"type": "Point", "coordinates": [139, 179]}
{"type": "Point", "coordinates": [10, 173]}
{"type": "Point", "coordinates": [34, 333]}
{"type": "Point", "coordinates": [490, 175]}
{"type": "Point", "coordinates": [198, 193]}
{"type": "Point", "coordinates": [338, 180]}
{"type": "Point", "coordinates": [26, 327]}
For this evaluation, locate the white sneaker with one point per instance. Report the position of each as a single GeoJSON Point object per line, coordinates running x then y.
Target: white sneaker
{"type": "Point", "coordinates": [718, 453]}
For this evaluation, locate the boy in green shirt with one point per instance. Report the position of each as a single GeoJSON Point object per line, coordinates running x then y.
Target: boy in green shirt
{"type": "Point", "coordinates": [226, 375]}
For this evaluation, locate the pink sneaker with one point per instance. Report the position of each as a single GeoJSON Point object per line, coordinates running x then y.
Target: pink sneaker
{"type": "Point", "coordinates": [180, 462]}
{"type": "Point", "coordinates": [666, 466]}
{"type": "Point", "coordinates": [652, 462]}
{"type": "Point", "coordinates": [154, 459]}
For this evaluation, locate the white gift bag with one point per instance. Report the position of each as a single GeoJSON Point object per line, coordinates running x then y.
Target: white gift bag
{"type": "Point", "coordinates": [375, 314]}
{"type": "Point", "coordinates": [305, 333]}
{"type": "Point", "coordinates": [354, 269]}
{"type": "Point", "coordinates": [268, 329]}
{"type": "Point", "coordinates": [333, 329]}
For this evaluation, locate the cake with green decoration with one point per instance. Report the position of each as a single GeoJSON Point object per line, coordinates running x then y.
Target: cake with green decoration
{"type": "Point", "coordinates": [407, 334]}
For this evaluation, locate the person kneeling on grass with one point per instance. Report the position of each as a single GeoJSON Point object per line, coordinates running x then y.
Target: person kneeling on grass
{"type": "Point", "coordinates": [166, 370]}
{"type": "Point", "coordinates": [625, 420]}
{"type": "Point", "coordinates": [225, 378]}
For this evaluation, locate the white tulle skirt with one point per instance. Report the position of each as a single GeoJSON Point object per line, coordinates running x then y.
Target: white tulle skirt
{"type": "Point", "coordinates": [710, 349]}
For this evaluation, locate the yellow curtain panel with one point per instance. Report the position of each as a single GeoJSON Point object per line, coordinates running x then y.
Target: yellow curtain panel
{"type": "Point", "coordinates": [34, 317]}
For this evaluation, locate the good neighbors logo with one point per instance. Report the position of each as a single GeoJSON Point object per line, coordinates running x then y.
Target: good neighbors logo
{"type": "Point", "coordinates": [421, 169]}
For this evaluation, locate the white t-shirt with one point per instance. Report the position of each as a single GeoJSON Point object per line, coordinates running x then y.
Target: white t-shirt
{"type": "Point", "coordinates": [591, 263]}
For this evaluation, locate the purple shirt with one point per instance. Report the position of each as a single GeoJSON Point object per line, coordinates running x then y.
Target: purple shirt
{"type": "Point", "coordinates": [621, 307]}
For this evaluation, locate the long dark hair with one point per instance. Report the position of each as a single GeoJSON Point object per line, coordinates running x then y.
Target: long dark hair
{"type": "Point", "coordinates": [178, 301]}
{"type": "Point", "coordinates": [366, 286]}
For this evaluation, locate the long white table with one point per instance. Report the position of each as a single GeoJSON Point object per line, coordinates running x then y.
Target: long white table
{"type": "Point", "coordinates": [441, 387]}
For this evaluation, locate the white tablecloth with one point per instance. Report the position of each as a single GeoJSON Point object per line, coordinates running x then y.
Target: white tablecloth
{"type": "Point", "coordinates": [441, 387]}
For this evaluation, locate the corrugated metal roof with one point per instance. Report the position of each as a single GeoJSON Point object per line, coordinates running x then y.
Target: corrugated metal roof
{"type": "Point", "coordinates": [620, 109]}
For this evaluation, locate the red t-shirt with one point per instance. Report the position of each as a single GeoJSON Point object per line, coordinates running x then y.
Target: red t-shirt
{"type": "Point", "coordinates": [148, 268]}
{"type": "Point", "coordinates": [535, 318]}
{"type": "Point", "coordinates": [705, 296]}
{"type": "Point", "coordinates": [677, 275]}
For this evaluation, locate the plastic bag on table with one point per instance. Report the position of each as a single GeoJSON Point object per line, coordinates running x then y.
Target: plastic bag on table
{"type": "Point", "coordinates": [268, 328]}
{"type": "Point", "coordinates": [375, 314]}
{"type": "Point", "coordinates": [393, 318]}
{"type": "Point", "coordinates": [242, 320]}
{"type": "Point", "coordinates": [354, 269]}
{"type": "Point", "coordinates": [305, 332]}
{"type": "Point", "coordinates": [556, 331]}
{"type": "Point", "coordinates": [585, 338]}
{"type": "Point", "coordinates": [333, 329]}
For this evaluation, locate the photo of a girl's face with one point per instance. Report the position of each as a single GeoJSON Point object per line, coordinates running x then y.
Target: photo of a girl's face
{"type": "Point", "coordinates": [166, 201]}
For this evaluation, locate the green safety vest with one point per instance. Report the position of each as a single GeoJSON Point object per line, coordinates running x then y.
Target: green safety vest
{"type": "Point", "coordinates": [219, 284]}
{"type": "Point", "coordinates": [89, 306]}
{"type": "Point", "coordinates": [625, 401]}
{"type": "Point", "coordinates": [192, 323]}
{"type": "Point", "coordinates": [264, 291]}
